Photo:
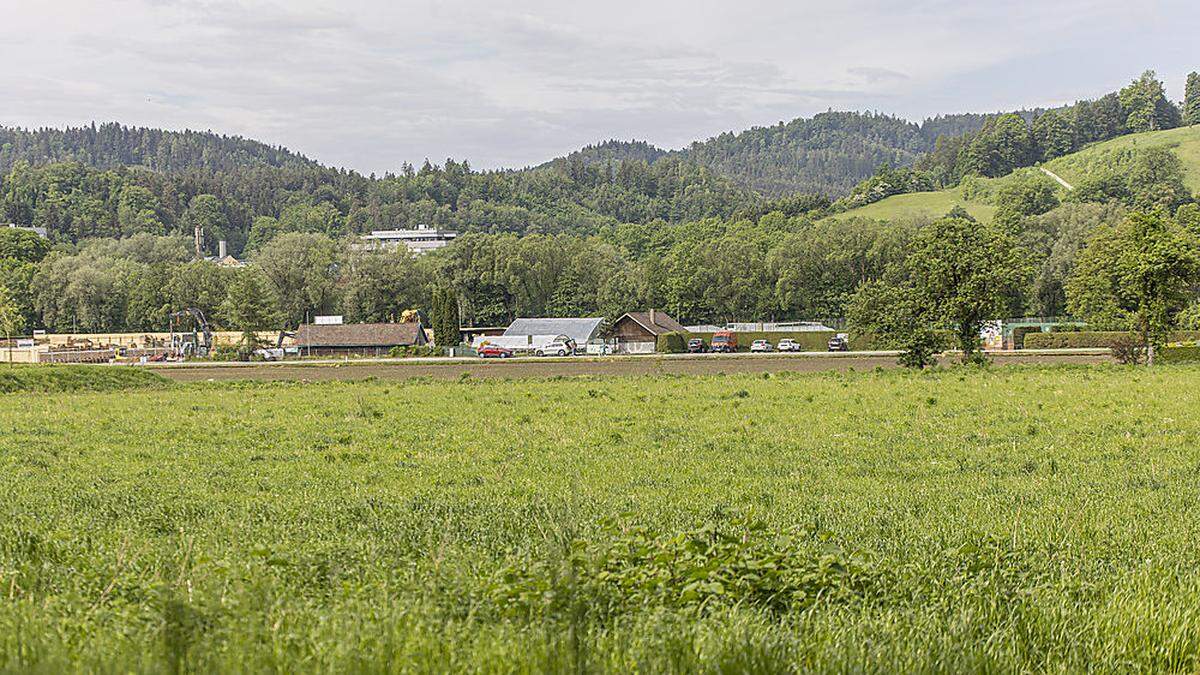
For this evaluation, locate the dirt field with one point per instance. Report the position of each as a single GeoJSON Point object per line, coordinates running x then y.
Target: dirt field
{"type": "Point", "coordinates": [709, 364]}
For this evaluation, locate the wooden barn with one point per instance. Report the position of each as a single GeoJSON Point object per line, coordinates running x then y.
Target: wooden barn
{"type": "Point", "coordinates": [637, 332]}
{"type": "Point", "coordinates": [358, 339]}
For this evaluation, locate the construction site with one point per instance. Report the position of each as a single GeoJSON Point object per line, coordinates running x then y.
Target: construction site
{"type": "Point", "coordinates": [190, 336]}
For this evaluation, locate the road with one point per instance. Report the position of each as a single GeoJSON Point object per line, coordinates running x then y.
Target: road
{"type": "Point", "coordinates": [1056, 177]}
{"type": "Point", "coordinates": [664, 364]}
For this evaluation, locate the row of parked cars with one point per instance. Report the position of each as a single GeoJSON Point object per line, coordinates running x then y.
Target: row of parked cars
{"type": "Point", "coordinates": [727, 342]}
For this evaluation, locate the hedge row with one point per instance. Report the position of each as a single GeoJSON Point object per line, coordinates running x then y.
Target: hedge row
{"type": "Point", "coordinates": [1182, 354]}
{"type": "Point", "coordinates": [1021, 332]}
{"type": "Point", "coordinates": [1092, 339]}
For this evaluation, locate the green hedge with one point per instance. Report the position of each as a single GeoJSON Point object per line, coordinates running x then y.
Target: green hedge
{"type": "Point", "coordinates": [28, 378]}
{"type": "Point", "coordinates": [1181, 354]}
{"type": "Point", "coordinates": [1091, 339]}
{"type": "Point", "coordinates": [672, 343]}
{"type": "Point", "coordinates": [1020, 333]}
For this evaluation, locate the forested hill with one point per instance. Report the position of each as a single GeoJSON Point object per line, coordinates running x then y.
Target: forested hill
{"type": "Point", "coordinates": [828, 153]}
{"type": "Point", "coordinates": [825, 154]}
{"type": "Point", "coordinates": [112, 145]}
{"type": "Point", "coordinates": [116, 181]}
{"type": "Point", "coordinates": [609, 152]}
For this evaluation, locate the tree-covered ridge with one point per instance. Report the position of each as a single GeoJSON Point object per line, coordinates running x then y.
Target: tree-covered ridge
{"type": "Point", "coordinates": [248, 205]}
{"type": "Point", "coordinates": [113, 145]}
{"type": "Point", "coordinates": [610, 151]}
{"type": "Point", "coordinates": [828, 153]}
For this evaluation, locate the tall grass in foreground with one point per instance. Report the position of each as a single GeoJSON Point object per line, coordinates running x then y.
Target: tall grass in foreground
{"type": "Point", "coordinates": [1021, 519]}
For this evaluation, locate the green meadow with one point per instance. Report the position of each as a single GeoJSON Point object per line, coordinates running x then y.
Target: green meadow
{"type": "Point", "coordinates": [1098, 159]}
{"type": "Point", "coordinates": [999, 520]}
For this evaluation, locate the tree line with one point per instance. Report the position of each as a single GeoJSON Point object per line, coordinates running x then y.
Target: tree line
{"type": "Point", "coordinates": [247, 206]}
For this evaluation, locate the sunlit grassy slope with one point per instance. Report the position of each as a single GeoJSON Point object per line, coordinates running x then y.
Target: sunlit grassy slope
{"type": "Point", "coordinates": [921, 205]}
{"type": "Point", "coordinates": [1184, 142]}
{"type": "Point", "coordinates": [1006, 520]}
{"type": "Point", "coordinates": [1097, 158]}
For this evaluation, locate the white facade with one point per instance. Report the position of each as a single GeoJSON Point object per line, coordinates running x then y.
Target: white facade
{"type": "Point", "coordinates": [518, 343]}
{"type": "Point", "coordinates": [420, 240]}
{"type": "Point", "coordinates": [39, 231]}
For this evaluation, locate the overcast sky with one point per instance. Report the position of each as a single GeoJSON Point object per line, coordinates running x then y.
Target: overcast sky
{"type": "Point", "coordinates": [368, 84]}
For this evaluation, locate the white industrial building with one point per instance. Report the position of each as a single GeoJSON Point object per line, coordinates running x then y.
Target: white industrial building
{"type": "Point", "coordinates": [39, 231]}
{"type": "Point", "coordinates": [420, 240]}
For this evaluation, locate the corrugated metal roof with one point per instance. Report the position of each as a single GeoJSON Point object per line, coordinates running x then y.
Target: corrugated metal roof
{"type": "Point", "coordinates": [360, 335]}
{"type": "Point", "coordinates": [579, 330]}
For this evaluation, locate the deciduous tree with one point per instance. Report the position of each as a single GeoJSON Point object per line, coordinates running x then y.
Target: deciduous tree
{"type": "Point", "coordinates": [958, 275]}
{"type": "Point", "coordinates": [1136, 276]}
{"type": "Point", "coordinates": [11, 320]}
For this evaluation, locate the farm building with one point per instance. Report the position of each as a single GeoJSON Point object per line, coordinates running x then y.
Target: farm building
{"type": "Point", "coordinates": [581, 331]}
{"type": "Point", "coordinates": [361, 339]}
{"type": "Point", "coordinates": [637, 332]}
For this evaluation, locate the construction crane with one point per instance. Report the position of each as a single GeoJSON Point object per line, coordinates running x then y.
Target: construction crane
{"type": "Point", "coordinates": [196, 342]}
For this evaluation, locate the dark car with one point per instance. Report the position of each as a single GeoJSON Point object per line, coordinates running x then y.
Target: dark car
{"type": "Point", "coordinates": [494, 352]}
{"type": "Point", "coordinates": [697, 346]}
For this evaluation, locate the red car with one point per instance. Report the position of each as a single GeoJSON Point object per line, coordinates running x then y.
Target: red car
{"type": "Point", "coordinates": [494, 352]}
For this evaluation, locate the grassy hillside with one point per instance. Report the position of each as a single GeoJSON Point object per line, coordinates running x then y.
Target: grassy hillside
{"type": "Point", "coordinates": [890, 522]}
{"type": "Point", "coordinates": [921, 205]}
{"type": "Point", "coordinates": [1101, 157]}
{"type": "Point", "coordinates": [1184, 142]}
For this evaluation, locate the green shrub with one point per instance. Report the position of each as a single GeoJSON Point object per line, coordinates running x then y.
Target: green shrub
{"type": "Point", "coordinates": [1021, 332]}
{"type": "Point", "coordinates": [1179, 354]}
{"type": "Point", "coordinates": [1129, 350]}
{"type": "Point", "coordinates": [942, 340]}
{"type": "Point", "coordinates": [1092, 339]}
{"type": "Point", "coordinates": [404, 351]}
{"type": "Point", "coordinates": [52, 379]}
{"type": "Point", "coordinates": [672, 343]}
{"type": "Point", "coordinates": [743, 563]}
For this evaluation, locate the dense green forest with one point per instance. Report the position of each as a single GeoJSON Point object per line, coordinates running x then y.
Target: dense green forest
{"type": "Point", "coordinates": [614, 227]}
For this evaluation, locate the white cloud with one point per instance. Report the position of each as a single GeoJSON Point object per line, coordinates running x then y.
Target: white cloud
{"type": "Point", "coordinates": [370, 83]}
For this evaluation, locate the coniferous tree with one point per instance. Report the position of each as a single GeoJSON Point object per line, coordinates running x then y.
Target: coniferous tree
{"type": "Point", "coordinates": [1191, 100]}
{"type": "Point", "coordinates": [1053, 134]}
{"type": "Point", "coordinates": [444, 317]}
